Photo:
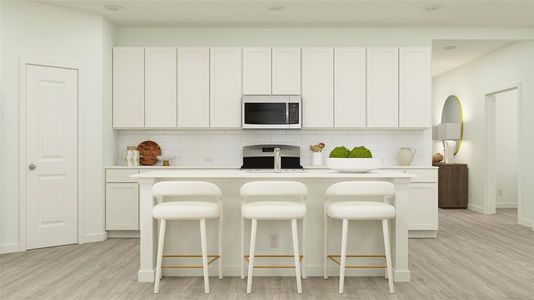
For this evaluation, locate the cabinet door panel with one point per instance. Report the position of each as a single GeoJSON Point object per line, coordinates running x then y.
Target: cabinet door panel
{"type": "Point", "coordinates": [257, 71]}
{"type": "Point", "coordinates": [160, 87]}
{"type": "Point", "coordinates": [122, 206]}
{"type": "Point", "coordinates": [414, 87]}
{"type": "Point", "coordinates": [382, 87]}
{"type": "Point", "coordinates": [286, 71]}
{"type": "Point", "coordinates": [423, 206]}
{"type": "Point", "coordinates": [317, 87]}
{"type": "Point", "coordinates": [128, 87]}
{"type": "Point", "coordinates": [349, 87]}
{"type": "Point", "coordinates": [225, 87]}
{"type": "Point", "coordinates": [193, 87]}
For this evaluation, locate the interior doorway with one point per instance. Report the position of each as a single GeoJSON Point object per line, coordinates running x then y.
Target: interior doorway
{"type": "Point", "coordinates": [502, 151]}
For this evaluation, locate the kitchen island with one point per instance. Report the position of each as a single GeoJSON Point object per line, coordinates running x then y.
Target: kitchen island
{"type": "Point", "coordinates": [364, 236]}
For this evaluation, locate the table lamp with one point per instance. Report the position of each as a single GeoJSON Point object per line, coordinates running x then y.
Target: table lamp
{"type": "Point", "coordinates": [449, 133]}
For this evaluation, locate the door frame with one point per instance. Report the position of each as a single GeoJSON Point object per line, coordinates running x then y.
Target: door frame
{"type": "Point", "coordinates": [55, 63]}
{"type": "Point", "coordinates": [490, 181]}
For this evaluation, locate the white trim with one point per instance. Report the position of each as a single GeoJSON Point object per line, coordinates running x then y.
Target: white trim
{"type": "Point", "coordinates": [9, 248]}
{"type": "Point", "coordinates": [506, 205]}
{"type": "Point", "coordinates": [476, 208]}
{"type": "Point", "coordinates": [57, 63]}
{"type": "Point", "coordinates": [490, 197]}
{"type": "Point", "coordinates": [94, 237]}
{"type": "Point", "coordinates": [525, 222]}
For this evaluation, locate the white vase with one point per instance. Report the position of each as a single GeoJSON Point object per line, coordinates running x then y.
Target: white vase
{"type": "Point", "coordinates": [406, 156]}
{"type": "Point", "coordinates": [317, 158]}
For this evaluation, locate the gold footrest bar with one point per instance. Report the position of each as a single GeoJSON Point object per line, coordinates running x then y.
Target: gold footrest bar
{"type": "Point", "coordinates": [213, 258]}
{"type": "Point", "coordinates": [334, 259]}
{"type": "Point", "coordinates": [273, 256]}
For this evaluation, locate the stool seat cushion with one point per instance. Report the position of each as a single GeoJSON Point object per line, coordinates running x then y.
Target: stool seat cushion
{"type": "Point", "coordinates": [186, 210]}
{"type": "Point", "coordinates": [360, 210]}
{"type": "Point", "coordinates": [273, 210]}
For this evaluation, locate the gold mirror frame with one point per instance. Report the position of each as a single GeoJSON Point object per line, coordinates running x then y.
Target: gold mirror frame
{"type": "Point", "coordinates": [453, 106]}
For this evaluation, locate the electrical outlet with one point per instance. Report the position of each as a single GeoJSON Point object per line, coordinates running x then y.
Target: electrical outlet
{"type": "Point", "coordinates": [274, 240]}
{"type": "Point", "coordinates": [500, 192]}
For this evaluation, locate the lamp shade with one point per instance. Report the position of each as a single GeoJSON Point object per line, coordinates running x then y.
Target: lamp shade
{"type": "Point", "coordinates": [449, 131]}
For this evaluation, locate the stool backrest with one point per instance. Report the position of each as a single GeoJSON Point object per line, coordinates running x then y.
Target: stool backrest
{"type": "Point", "coordinates": [186, 189]}
{"type": "Point", "coordinates": [274, 189]}
{"type": "Point", "coordinates": [361, 188]}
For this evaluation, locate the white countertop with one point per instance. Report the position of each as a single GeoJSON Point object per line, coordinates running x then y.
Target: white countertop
{"type": "Point", "coordinates": [159, 167]}
{"type": "Point", "coordinates": [233, 173]}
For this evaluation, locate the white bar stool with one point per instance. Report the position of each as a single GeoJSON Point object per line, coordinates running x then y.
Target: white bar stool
{"type": "Point", "coordinates": [188, 210]}
{"type": "Point", "coordinates": [358, 210]}
{"type": "Point", "coordinates": [273, 210]}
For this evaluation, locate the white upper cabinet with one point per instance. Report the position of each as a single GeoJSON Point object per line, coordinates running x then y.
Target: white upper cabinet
{"type": "Point", "coordinates": [286, 71]}
{"type": "Point", "coordinates": [160, 87]}
{"type": "Point", "coordinates": [349, 87]}
{"type": "Point", "coordinates": [257, 71]}
{"type": "Point", "coordinates": [193, 87]}
{"type": "Point", "coordinates": [128, 87]}
{"type": "Point", "coordinates": [317, 87]}
{"type": "Point", "coordinates": [414, 87]}
{"type": "Point", "coordinates": [225, 87]}
{"type": "Point", "coordinates": [382, 87]}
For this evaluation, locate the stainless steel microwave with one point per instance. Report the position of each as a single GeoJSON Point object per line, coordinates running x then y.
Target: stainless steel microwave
{"type": "Point", "coordinates": [271, 112]}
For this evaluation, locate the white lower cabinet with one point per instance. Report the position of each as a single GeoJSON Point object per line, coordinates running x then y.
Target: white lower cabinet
{"type": "Point", "coordinates": [122, 200]}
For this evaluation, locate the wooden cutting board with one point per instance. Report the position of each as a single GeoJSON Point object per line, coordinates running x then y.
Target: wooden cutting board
{"type": "Point", "coordinates": [148, 152]}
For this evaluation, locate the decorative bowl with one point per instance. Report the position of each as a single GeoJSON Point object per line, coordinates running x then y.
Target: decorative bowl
{"type": "Point", "coordinates": [353, 165]}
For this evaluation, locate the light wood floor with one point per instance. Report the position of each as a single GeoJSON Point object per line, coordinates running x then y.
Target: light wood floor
{"type": "Point", "coordinates": [474, 257]}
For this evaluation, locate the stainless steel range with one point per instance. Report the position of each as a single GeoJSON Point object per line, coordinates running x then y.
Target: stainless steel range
{"type": "Point", "coordinates": [273, 157]}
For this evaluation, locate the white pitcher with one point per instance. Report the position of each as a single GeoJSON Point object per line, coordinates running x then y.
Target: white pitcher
{"type": "Point", "coordinates": [406, 155]}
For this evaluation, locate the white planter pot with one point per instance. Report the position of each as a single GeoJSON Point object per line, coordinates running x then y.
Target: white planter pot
{"type": "Point", "coordinates": [317, 159]}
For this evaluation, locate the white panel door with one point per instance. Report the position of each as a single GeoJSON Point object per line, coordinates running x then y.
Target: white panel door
{"type": "Point", "coordinates": [286, 71]}
{"type": "Point", "coordinates": [349, 87]}
{"type": "Point", "coordinates": [225, 87]}
{"type": "Point", "coordinates": [257, 71]}
{"type": "Point", "coordinates": [160, 87]}
{"type": "Point", "coordinates": [193, 87]}
{"type": "Point", "coordinates": [128, 87]}
{"type": "Point", "coordinates": [51, 156]}
{"type": "Point", "coordinates": [122, 206]}
{"type": "Point", "coordinates": [382, 87]}
{"type": "Point", "coordinates": [415, 81]}
{"type": "Point", "coordinates": [318, 87]}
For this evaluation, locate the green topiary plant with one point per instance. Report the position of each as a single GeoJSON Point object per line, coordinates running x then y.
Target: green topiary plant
{"type": "Point", "coordinates": [339, 152]}
{"type": "Point", "coordinates": [360, 152]}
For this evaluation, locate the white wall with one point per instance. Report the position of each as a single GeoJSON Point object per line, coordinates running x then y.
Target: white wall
{"type": "Point", "coordinates": [506, 126]}
{"type": "Point", "coordinates": [505, 66]}
{"type": "Point", "coordinates": [42, 31]}
{"type": "Point", "coordinates": [325, 36]}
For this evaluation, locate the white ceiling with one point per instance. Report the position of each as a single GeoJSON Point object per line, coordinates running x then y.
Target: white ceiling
{"type": "Point", "coordinates": [466, 51]}
{"type": "Point", "coordinates": [370, 13]}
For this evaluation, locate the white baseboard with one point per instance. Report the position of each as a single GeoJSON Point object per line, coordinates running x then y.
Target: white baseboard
{"type": "Point", "coordinates": [476, 208]}
{"type": "Point", "coordinates": [311, 271]}
{"type": "Point", "coordinates": [9, 248]}
{"type": "Point", "coordinates": [506, 205]}
{"type": "Point", "coordinates": [526, 222]}
{"type": "Point", "coordinates": [94, 237]}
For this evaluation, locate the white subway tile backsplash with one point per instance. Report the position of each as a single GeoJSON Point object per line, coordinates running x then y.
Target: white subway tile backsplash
{"type": "Point", "coordinates": [224, 147]}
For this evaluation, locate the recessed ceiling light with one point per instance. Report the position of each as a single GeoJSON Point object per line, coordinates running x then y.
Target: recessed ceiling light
{"type": "Point", "coordinates": [275, 7]}
{"type": "Point", "coordinates": [450, 47]}
{"type": "Point", "coordinates": [112, 7]}
{"type": "Point", "coordinates": [433, 7]}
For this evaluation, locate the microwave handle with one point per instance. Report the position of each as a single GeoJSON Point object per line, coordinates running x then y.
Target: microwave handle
{"type": "Point", "coordinates": [287, 113]}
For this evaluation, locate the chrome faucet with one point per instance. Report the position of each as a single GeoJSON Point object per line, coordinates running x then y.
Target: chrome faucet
{"type": "Point", "coordinates": [277, 160]}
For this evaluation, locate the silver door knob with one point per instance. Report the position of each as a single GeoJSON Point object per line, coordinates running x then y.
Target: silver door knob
{"type": "Point", "coordinates": [32, 167]}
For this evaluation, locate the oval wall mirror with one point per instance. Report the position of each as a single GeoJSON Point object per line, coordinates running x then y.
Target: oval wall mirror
{"type": "Point", "coordinates": [452, 113]}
